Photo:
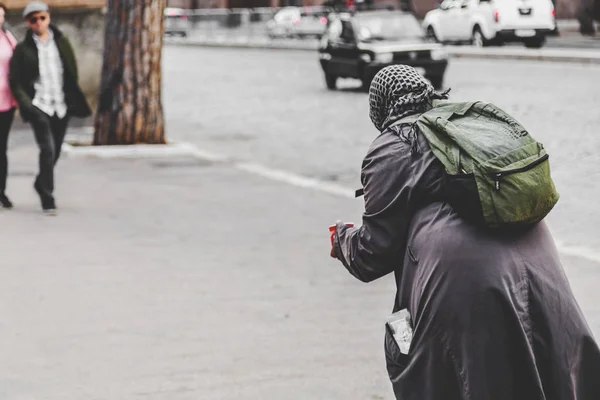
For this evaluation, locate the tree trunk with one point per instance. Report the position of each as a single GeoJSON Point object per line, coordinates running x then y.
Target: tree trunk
{"type": "Point", "coordinates": [130, 105]}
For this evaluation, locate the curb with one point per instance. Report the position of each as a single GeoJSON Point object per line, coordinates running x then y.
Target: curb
{"type": "Point", "coordinates": [242, 45]}
{"type": "Point", "coordinates": [549, 55]}
{"type": "Point", "coordinates": [583, 56]}
{"type": "Point", "coordinates": [74, 149]}
{"type": "Point", "coordinates": [78, 144]}
{"type": "Point", "coordinates": [282, 176]}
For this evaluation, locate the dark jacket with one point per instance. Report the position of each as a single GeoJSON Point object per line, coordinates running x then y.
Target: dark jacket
{"type": "Point", "coordinates": [24, 72]}
{"type": "Point", "coordinates": [493, 314]}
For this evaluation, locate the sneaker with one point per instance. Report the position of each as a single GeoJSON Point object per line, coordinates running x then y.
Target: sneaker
{"type": "Point", "coordinates": [49, 207]}
{"type": "Point", "coordinates": [48, 204]}
{"type": "Point", "coordinates": [5, 202]}
{"type": "Point", "coordinates": [51, 212]}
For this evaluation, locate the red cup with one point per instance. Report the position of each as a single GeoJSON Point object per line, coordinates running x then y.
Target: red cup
{"type": "Point", "coordinates": [333, 230]}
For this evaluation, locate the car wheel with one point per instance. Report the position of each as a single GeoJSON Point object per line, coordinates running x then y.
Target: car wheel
{"type": "Point", "coordinates": [366, 85]}
{"type": "Point", "coordinates": [478, 39]}
{"type": "Point", "coordinates": [535, 43]}
{"type": "Point", "coordinates": [437, 81]}
{"type": "Point", "coordinates": [331, 81]}
{"type": "Point", "coordinates": [431, 34]}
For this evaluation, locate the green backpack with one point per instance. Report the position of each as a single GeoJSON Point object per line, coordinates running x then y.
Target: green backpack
{"type": "Point", "coordinates": [496, 173]}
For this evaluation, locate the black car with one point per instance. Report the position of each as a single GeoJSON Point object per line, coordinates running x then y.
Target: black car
{"type": "Point", "coordinates": [358, 45]}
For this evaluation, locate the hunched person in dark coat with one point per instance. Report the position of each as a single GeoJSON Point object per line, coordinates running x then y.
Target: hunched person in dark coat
{"type": "Point", "coordinates": [493, 315]}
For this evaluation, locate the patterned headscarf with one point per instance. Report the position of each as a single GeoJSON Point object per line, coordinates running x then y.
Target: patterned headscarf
{"type": "Point", "coordinates": [398, 91]}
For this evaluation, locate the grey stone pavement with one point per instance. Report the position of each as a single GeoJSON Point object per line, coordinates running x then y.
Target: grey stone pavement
{"type": "Point", "coordinates": [182, 279]}
{"type": "Point", "coordinates": [272, 108]}
{"type": "Point", "coordinates": [186, 279]}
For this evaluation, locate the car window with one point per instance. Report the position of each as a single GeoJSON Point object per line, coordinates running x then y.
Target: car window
{"type": "Point", "coordinates": [388, 26]}
{"type": "Point", "coordinates": [313, 15]}
{"type": "Point", "coordinates": [347, 31]}
{"type": "Point", "coordinates": [320, 12]}
{"type": "Point", "coordinates": [451, 5]}
{"type": "Point", "coordinates": [446, 4]}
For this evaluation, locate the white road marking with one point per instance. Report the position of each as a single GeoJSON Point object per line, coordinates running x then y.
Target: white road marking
{"type": "Point", "coordinates": [295, 180]}
{"type": "Point", "coordinates": [287, 177]}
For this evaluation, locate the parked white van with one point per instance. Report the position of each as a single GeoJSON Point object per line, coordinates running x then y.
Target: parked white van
{"type": "Point", "coordinates": [488, 22]}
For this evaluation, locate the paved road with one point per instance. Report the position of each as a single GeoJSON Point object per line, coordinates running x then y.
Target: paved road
{"type": "Point", "coordinates": [177, 279]}
{"type": "Point", "coordinates": [184, 280]}
{"type": "Point", "coordinates": [272, 107]}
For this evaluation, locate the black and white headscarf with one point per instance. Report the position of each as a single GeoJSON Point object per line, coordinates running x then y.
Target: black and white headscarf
{"type": "Point", "coordinates": [398, 91]}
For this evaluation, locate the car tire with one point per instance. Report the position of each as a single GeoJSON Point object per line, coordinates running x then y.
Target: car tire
{"type": "Point", "coordinates": [366, 84]}
{"type": "Point", "coordinates": [330, 81]}
{"type": "Point", "coordinates": [431, 34]}
{"type": "Point", "coordinates": [478, 38]}
{"type": "Point", "coordinates": [437, 81]}
{"type": "Point", "coordinates": [535, 43]}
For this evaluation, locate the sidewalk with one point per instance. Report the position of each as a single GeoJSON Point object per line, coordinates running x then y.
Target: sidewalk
{"type": "Point", "coordinates": [570, 46]}
{"type": "Point", "coordinates": [181, 278]}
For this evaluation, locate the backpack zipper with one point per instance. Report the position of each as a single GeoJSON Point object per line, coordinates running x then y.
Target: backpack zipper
{"type": "Point", "coordinates": [499, 175]}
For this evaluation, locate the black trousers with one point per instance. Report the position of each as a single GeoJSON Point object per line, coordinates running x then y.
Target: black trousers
{"type": "Point", "coordinates": [6, 120]}
{"type": "Point", "coordinates": [49, 134]}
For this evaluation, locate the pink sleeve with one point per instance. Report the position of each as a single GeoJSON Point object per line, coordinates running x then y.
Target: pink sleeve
{"type": "Point", "coordinates": [11, 39]}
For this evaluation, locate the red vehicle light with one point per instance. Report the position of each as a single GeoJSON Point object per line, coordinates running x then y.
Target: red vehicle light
{"type": "Point", "coordinates": [497, 16]}
{"type": "Point", "coordinates": [554, 13]}
{"type": "Point", "coordinates": [323, 20]}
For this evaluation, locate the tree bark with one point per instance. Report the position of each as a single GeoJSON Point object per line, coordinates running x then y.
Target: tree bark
{"type": "Point", "coordinates": [130, 106]}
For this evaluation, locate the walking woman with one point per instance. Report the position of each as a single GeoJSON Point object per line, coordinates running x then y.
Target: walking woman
{"type": "Point", "coordinates": [7, 102]}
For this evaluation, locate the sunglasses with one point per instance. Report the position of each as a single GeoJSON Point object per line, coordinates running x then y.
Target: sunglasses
{"type": "Point", "coordinates": [34, 20]}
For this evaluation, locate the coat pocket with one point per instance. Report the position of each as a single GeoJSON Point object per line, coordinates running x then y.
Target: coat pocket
{"type": "Point", "coordinates": [395, 360]}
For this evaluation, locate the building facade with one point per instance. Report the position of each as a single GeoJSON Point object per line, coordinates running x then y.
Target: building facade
{"type": "Point", "coordinates": [54, 4]}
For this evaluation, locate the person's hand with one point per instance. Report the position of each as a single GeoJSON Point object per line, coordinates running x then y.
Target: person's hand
{"type": "Point", "coordinates": [332, 231]}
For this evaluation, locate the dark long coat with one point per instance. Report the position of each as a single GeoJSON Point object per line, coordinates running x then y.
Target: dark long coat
{"type": "Point", "coordinates": [493, 313]}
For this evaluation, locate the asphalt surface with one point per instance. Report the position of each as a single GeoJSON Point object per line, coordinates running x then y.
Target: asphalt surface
{"type": "Point", "coordinates": [177, 279]}
{"type": "Point", "coordinates": [272, 107]}
{"type": "Point", "coordinates": [186, 279]}
{"type": "Point", "coordinates": [183, 279]}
